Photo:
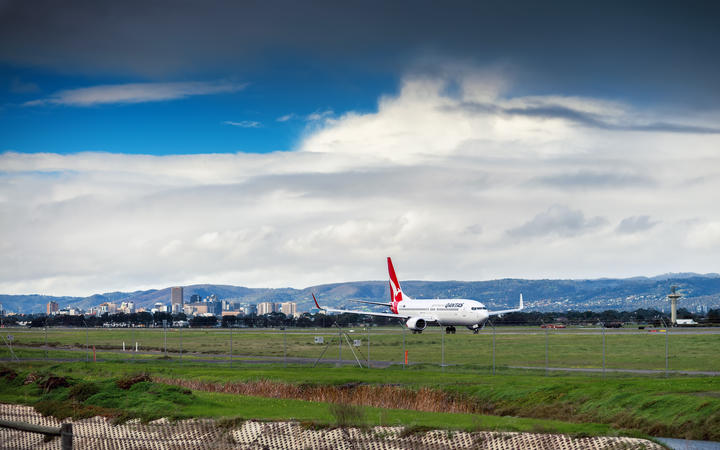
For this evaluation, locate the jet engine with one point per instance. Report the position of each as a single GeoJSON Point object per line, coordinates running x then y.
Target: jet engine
{"type": "Point", "coordinates": [416, 323]}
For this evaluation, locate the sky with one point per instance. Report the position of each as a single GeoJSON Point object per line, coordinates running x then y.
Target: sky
{"type": "Point", "coordinates": [277, 143]}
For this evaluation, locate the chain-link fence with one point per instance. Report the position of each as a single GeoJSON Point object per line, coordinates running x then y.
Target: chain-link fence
{"type": "Point", "coordinates": [583, 348]}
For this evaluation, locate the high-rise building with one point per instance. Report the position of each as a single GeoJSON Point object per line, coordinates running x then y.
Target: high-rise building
{"type": "Point", "coordinates": [288, 308]}
{"type": "Point", "coordinates": [195, 298]}
{"type": "Point", "coordinates": [52, 308]}
{"type": "Point", "coordinates": [265, 308]}
{"type": "Point", "coordinates": [176, 296]}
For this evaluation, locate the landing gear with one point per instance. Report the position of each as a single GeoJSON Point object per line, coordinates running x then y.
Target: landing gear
{"type": "Point", "coordinates": [475, 328]}
{"type": "Point", "coordinates": [449, 330]}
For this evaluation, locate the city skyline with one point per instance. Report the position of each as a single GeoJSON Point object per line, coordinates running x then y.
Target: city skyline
{"type": "Point", "coordinates": [276, 144]}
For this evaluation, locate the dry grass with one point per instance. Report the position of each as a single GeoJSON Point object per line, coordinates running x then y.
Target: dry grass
{"type": "Point", "coordinates": [392, 397]}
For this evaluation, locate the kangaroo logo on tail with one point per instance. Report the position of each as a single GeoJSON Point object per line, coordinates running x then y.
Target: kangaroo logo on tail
{"type": "Point", "coordinates": [396, 294]}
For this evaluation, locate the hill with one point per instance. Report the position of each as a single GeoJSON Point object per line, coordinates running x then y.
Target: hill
{"type": "Point", "coordinates": [542, 295]}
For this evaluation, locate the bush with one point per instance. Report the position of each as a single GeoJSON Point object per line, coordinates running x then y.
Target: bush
{"type": "Point", "coordinates": [128, 381]}
{"type": "Point", "coordinates": [83, 391]}
{"type": "Point", "coordinates": [346, 414]}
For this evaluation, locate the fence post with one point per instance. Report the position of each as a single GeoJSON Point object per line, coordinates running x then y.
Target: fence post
{"type": "Point", "coordinates": [442, 349]}
{"type": "Point", "coordinates": [547, 351]}
{"type": "Point", "coordinates": [603, 337]}
{"type": "Point", "coordinates": [404, 351]}
{"type": "Point", "coordinates": [46, 347]}
{"type": "Point", "coordinates": [87, 343]}
{"type": "Point", "coordinates": [340, 346]}
{"type": "Point", "coordinates": [165, 335]}
{"type": "Point", "coordinates": [66, 436]}
{"type": "Point", "coordinates": [231, 345]}
{"type": "Point", "coordinates": [493, 327]}
{"type": "Point", "coordinates": [285, 345]}
{"type": "Point", "coordinates": [667, 345]}
{"type": "Point", "coordinates": [367, 333]}
{"type": "Point", "coordinates": [180, 331]}
{"type": "Point", "coordinates": [134, 339]}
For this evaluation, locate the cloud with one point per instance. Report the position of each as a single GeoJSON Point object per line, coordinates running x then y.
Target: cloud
{"type": "Point", "coordinates": [557, 220]}
{"type": "Point", "coordinates": [320, 115]}
{"type": "Point", "coordinates": [635, 224]}
{"type": "Point", "coordinates": [594, 179]}
{"type": "Point", "coordinates": [286, 117]}
{"type": "Point", "coordinates": [559, 46]}
{"type": "Point", "coordinates": [244, 124]}
{"type": "Point", "coordinates": [450, 193]}
{"type": "Point", "coordinates": [135, 93]}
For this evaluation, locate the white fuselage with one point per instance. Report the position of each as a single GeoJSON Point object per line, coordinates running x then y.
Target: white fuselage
{"type": "Point", "coordinates": [447, 312]}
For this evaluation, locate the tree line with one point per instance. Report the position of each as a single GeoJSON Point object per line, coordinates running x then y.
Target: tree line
{"type": "Point", "coordinates": [307, 320]}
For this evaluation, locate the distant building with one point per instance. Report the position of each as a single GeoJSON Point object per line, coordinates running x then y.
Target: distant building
{"type": "Point", "coordinates": [265, 308]}
{"type": "Point", "coordinates": [176, 295]}
{"type": "Point", "coordinates": [159, 307]}
{"type": "Point", "coordinates": [288, 308]}
{"type": "Point", "coordinates": [52, 308]}
{"type": "Point", "coordinates": [195, 298]}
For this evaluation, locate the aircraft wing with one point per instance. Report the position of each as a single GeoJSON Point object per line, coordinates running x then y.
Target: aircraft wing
{"type": "Point", "coordinates": [372, 303]}
{"type": "Point", "coordinates": [505, 311]}
{"type": "Point", "coordinates": [397, 316]}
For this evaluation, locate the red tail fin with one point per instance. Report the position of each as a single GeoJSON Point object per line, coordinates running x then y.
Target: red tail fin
{"type": "Point", "coordinates": [396, 295]}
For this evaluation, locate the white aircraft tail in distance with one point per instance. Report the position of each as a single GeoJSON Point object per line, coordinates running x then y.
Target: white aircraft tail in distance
{"type": "Point", "coordinates": [418, 313]}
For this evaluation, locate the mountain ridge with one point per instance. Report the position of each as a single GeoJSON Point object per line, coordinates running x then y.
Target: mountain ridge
{"type": "Point", "coordinates": [543, 295]}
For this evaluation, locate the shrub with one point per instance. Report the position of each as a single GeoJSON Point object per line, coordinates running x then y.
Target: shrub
{"type": "Point", "coordinates": [346, 414]}
{"type": "Point", "coordinates": [83, 391]}
{"type": "Point", "coordinates": [128, 381]}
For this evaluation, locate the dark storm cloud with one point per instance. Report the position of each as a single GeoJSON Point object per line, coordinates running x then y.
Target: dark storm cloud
{"type": "Point", "coordinates": [618, 48]}
{"type": "Point", "coordinates": [587, 119]}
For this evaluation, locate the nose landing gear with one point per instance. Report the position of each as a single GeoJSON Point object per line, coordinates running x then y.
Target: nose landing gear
{"type": "Point", "coordinates": [449, 330]}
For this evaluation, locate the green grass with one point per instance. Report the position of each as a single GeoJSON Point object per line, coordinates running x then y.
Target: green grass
{"type": "Point", "coordinates": [147, 400]}
{"type": "Point", "coordinates": [686, 407]}
{"type": "Point", "coordinates": [515, 346]}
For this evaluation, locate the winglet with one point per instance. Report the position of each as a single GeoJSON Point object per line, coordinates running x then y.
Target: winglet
{"type": "Point", "coordinates": [316, 303]}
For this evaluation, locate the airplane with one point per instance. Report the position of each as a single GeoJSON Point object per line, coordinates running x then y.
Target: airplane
{"type": "Point", "coordinates": [420, 312]}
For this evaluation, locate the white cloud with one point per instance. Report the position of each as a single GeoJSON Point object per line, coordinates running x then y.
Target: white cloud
{"type": "Point", "coordinates": [135, 93]}
{"type": "Point", "coordinates": [464, 184]}
{"type": "Point", "coordinates": [320, 115]}
{"type": "Point", "coordinates": [244, 124]}
{"type": "Point", "coordinates": [286, 117]}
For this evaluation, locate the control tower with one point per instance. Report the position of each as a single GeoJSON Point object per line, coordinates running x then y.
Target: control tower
{"type": "Point", "coordinates": [674, 296]}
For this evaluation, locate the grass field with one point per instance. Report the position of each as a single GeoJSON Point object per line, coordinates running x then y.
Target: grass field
{"type": "Point", "coordinates": [418, 395]}
{"type": "Point", "coordinates": [514, 346]}
{"type": "Point", "coordinates": [686, 407]}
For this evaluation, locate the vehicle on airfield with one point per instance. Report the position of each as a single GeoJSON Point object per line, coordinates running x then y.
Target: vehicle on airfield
{"type": "Point", "coordinates": [419, 313]}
